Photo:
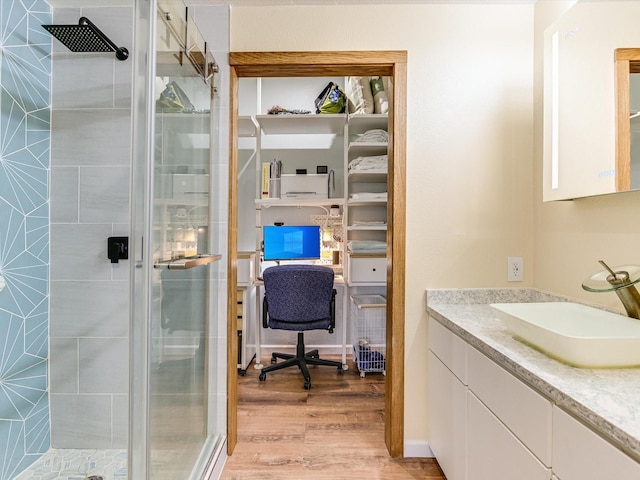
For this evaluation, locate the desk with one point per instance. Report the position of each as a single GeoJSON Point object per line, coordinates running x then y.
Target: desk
{"type": "Point", "coordinates": [338, 282]}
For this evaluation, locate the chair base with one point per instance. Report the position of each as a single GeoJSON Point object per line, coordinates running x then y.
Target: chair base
{"type": "Point", "coordinates": [301, 360]}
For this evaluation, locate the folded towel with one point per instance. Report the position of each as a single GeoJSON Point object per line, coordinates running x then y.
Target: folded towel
{"type": "Point", "coordinates": [373, 162]}
{"type": "Point", "coordinates": [366, 246]}
{"type": "Point", "coordinates": [373, 136]}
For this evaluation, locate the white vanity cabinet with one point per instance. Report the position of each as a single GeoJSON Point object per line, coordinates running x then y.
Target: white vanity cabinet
{"type": "Point", "coordinates": [487, 423]}
{"type": "Point", "coordinates": [448, 400]}
{"type": "Point", "coordinates": [581, 454]}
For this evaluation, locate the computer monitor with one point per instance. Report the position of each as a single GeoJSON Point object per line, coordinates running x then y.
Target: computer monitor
{"type": "Point", "coordinates": [286, 242]}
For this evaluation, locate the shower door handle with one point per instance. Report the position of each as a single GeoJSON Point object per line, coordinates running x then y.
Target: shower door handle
{"type": "Point", "coordinates": [184, 263]}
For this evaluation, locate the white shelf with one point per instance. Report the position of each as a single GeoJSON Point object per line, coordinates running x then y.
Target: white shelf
{"type": "Point", "coordinates": [368, 145]}
{"type": "Point", "coordinates": [302, 124]}
{"type": "Point", "coordinates": [367, 228]}
{"type": "Point", "coordinates": [301, 202]}
{"type": "Point", "coordinates": [354, 202]}
{"type": "Point", "coordinates": [368, 121]}
{"type": "Point", "coordinates": [368, 176]}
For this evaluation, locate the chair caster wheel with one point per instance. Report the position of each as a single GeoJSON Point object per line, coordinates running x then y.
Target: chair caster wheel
{"type": "Point", "coordinates": [274, 360]}
{"type": "Point", "coordinates": [307, 385]}
{"type": "Point", "coordinates": [262, 377]}
{"type": "Point", "coordinates": [340, 370]}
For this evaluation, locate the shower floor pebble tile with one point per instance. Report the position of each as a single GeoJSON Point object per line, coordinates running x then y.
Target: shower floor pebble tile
{"type": "Point", "coordinates": [67, 464]}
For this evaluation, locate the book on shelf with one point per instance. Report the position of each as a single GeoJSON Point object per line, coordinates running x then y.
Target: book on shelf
{"type": "Point", "coordinates": [265, 180]}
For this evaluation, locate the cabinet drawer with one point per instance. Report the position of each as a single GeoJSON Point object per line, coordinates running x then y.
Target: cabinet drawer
{"type": "Point", "coordinates": [581, 454]}
{"type": "Point", "coordinates": [494, 452]}
{"type": "Point", "coordinates": [367, 269]}
{"type": "Point", "coordinates": [508, 398]}
{"type": "Point", "coordinates": [449, 348]}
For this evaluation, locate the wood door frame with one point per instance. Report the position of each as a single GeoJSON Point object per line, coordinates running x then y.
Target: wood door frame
{"type": "Point", "coordinates": [324, 64]}
{"type": "Point", "coordinates": [627, 61]}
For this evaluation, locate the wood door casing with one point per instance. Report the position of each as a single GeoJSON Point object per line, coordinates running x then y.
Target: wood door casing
{"type": "Point", "coordinates": [322, 64]}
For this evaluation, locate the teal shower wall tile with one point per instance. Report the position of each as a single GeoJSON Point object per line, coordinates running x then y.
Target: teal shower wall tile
{"type": "Point", "coordinates": [37, 434]}
{"type": "Point", "coordinates": [36, 331]}
{"type": "Point", "coordinates": [12, 243]}
{"type": "Point", "coordinates": [40, 120]}
{"type": "Point", "coordinates": [14, 22]}
{"type": "Point", "coordinates": [11, 448]}
{"type": "Point", "coordinates": [36, 34]}
{"type": "Point", "coordinates": [38, 141]}
{"type": "Point", "coordinates": [26, 281]}
{"type": "Point", "coordinates": [37, 227]}
{"type": "Point", "coordinates": [25, 102]}
{"type": "Point", "coordinates": [37, 6]}
{"type": "Point", "coordinates": [25, 77]}
{"type": "Point", "coordinates": [24, 383]}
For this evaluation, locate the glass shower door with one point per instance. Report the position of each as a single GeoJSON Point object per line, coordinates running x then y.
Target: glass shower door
{"type": "Point", "coordinates": [175, 291]}
{"type": "Point", "coordinates": [184, 266]}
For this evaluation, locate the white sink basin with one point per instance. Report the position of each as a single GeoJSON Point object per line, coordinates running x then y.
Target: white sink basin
{"type": "Point", "coordinates": [575, 334]}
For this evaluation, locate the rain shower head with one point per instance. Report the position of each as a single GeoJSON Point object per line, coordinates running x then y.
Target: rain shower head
{"type": "Point", "coordinates": [85, 37]}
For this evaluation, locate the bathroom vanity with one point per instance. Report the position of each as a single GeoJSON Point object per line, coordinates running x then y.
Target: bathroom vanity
{"type": "Point", "coordinates": [500, 409]}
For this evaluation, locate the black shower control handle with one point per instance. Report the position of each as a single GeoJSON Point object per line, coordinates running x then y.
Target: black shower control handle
{"type": "Point", "coordinates": [117, 248]}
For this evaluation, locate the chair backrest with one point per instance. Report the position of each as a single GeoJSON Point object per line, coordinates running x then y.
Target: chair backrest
{"type": "Point", "coordinates": [299, 295]}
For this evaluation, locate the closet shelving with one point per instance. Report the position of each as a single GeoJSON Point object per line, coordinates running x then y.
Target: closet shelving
{"type": "Point", "coordinates": [292, 124]}
{"type": "Point", "coordinates": [366, 212]}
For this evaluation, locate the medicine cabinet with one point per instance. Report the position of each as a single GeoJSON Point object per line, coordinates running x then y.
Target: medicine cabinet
{"type": "Point", "coordinates": [585, 126]}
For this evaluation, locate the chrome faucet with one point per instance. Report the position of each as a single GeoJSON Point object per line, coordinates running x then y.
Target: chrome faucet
{"type": "Point", "coordinates": [621, 283]}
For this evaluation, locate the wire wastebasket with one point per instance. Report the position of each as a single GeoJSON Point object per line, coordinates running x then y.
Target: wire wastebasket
{"type": "Point", "coordinates": [368, 332]}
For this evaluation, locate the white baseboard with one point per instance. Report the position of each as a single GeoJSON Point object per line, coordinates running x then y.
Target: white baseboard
{"type": "Point", "coordinates": [417, 449]}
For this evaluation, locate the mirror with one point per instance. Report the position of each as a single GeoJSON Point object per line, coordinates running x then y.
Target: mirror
{"type": "Point", "coordinates": [588, 100]}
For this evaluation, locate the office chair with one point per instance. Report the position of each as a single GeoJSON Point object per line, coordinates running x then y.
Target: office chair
{"type": "Point", "coordinates": [299, 297]}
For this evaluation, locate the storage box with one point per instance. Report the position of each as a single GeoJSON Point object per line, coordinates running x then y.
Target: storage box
{"type": "Point", "coordinates": [367, 269]}
{"type": "Point", "coordinates": [308, 186]}
{"type": "Point", "coordinates": [368, 332]}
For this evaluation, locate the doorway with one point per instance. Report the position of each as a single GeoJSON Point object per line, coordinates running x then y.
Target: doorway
{"type": "Point", "coordinates": [321, 64]}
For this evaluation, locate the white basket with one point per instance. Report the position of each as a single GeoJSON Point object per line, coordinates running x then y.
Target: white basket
{"type": "Point", "coordinates": [368, 332]}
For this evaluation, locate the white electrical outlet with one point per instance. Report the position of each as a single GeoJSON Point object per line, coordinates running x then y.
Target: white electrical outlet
{"type": "Point", "coordinates": [515, 269]}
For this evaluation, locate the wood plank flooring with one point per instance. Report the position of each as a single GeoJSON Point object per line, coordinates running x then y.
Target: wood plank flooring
{"type": "Point", "coordinates": [335, 431]}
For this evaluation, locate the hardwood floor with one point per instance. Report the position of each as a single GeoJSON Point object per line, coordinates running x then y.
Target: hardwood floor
{"type": "Point", "coordinates": [334, 431]}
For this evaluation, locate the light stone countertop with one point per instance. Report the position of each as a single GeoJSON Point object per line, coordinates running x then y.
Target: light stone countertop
{"type": "Point", "coordinates": [608, 400]}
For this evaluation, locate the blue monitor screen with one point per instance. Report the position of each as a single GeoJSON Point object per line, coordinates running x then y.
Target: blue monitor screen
{"type": "Point", "coordinates": [291, 242]}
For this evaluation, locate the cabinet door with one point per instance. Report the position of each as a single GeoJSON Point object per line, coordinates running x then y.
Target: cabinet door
{"type": "Point", "coordinates": [581, 454]}
{"type": "Point", "coordinates": [447, 420]}
{"type": "Point", "coordinates": [494, 452]}
{"type": "Point", "coordinates": [525, 412]}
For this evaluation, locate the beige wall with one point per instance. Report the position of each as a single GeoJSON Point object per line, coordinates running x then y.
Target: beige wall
{"type": "Point", "coordinates": [470, 140]}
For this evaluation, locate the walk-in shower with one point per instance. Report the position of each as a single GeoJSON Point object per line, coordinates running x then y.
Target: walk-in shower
{"type": "Point", "coordinates": [110, 371]}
